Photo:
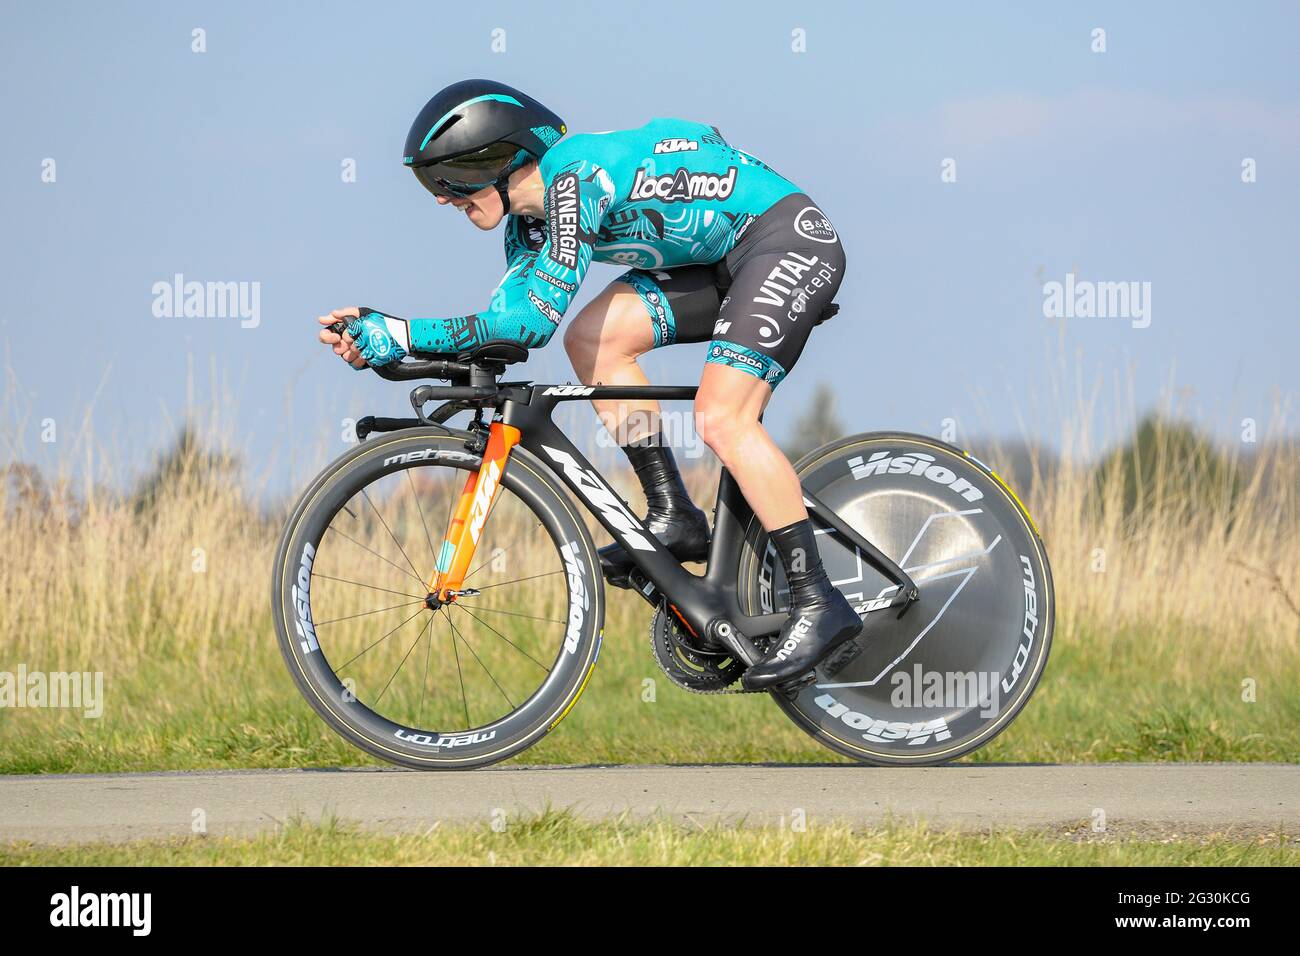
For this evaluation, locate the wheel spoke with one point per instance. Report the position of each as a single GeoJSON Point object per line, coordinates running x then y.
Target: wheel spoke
{"type": "Point", "coordinates": [459, 673]}
{"type": "Point", "coordinates": [354, 625]}
{"type": "Point", "coordinates": [373, 587]}
{"type": "Point", "coordinates": [470, 647]}
{"type": "Point", "coordinates": [365, 494]}
{"type": "Point", "coordinates": [381, 640]}
{"type": "Point", "coordinates": [419, 637]}
{"type": "Point", "coordinates": [363, 547]}
{"type": "Point", "coordinates": [503, 637]}
{"type": "Point", "coordinates": [531, 617]}
{"type": "Point", "coordinates": [424, 685]}
{"type": "Point", "coordinates": [517, 580]}
{"type": "Point", "coordinates": [420, 511]}
{"type": "Point", "coordinates": [391, 607]}
{"type": "Point", "coordinates": [489, 560]}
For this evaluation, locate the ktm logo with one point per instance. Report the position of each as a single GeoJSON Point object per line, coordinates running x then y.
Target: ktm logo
{"type": "Point", "coordinates": [676, 145]}
{"type": "Point", "coordinates": [483, 495]}
{"type": "Point", "coordinates": [604, 500]}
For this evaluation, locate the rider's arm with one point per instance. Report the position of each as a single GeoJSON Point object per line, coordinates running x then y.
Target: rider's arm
{"type": "Point", "coordinates": [538, 286]}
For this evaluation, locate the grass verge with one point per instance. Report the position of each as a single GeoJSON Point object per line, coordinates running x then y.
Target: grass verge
{"type": "Point", "coordinates": [559, 839]}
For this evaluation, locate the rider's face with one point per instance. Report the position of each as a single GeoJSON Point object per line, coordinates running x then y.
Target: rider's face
{"type": "Point", "coordinates": [483, 207]}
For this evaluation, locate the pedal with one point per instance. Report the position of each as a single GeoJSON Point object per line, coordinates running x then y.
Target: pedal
{"type": "Point", "coordinates": [637, 581]}
{"type": "Point", "coordinates": [841, 657]}
{"type": "Point", "coordinates": [792, 688]}
{"type": "Point", "coordinates": [617, 579]}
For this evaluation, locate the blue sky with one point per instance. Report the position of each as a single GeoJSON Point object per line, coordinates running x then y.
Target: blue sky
{"type": "Point", "coordinates": [226, 166]}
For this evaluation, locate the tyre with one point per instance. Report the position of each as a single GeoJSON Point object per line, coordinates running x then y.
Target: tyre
{"type": "Point", "coordinates": [955, 670]}
{"type": "Point", "coordinates": [458, 686]}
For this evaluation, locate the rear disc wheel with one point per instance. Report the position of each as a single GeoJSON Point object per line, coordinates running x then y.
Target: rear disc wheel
{"type": "Point", "coordinates": [958, 667]}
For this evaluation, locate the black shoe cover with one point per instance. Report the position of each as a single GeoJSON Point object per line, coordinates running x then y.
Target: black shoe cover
{"type": "Point", "coordinates": [810, 634]}
{"type": "Point", "coordinates": [683, 530]}
{"type": "Point", "coordinates": [671, 516]}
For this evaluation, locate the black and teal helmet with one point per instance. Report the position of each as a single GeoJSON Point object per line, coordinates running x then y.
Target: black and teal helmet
{"type": "Point", "coordinates": [474, 133]}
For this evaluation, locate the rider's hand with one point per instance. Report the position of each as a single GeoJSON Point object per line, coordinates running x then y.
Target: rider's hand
{"type": "Point", "coordinates": [371, 339]}
{"type": "Point", "coordinates": [342, 344]}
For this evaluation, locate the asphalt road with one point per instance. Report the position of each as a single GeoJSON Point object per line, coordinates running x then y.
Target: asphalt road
{"type": "Point", "coordinates": [118, 807]}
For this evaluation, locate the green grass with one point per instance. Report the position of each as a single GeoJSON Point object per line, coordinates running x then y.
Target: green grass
{"type": "Point", "coordinates": [558, 838]}
{"type": "Point", "coordinates": [1135, 696]}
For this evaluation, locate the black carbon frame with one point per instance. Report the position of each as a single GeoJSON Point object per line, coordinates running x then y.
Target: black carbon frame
{"type": "Point", "coordinates": [708, 604]}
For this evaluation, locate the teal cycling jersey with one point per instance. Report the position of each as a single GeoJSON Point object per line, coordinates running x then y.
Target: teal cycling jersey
{"type": "Point", "coordinates": [667, 194]}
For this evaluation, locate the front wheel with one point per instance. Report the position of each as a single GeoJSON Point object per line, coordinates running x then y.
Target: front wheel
{"type": "Point", "coordinates": [955, 670]}
{"type": "Point", "coordinates": [405, 678]}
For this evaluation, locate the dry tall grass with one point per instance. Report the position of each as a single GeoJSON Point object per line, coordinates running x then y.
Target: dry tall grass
{"type": "Point", "coordinates": [183, 570]}
{"type": "Point", "coordinates": [1180, 540]}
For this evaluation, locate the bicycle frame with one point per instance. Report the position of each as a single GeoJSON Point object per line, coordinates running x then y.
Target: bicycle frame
{"type": "Point", "coordinates": [708, 605]}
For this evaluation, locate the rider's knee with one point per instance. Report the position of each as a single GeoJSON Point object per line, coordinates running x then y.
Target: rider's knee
{"type": "Point", "coordinates": [718, 425]}
{"type": "Point", "coordinates": [580, 338]}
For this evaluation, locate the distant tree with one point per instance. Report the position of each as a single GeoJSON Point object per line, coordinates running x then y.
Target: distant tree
{"type": "Point", "coordinates": [187, 462]}
{"type": "Point", "coordinates": [1168, 462]}
{"type": "Point", "coordinates": [25, 489]}
{"type": "Point", "coordinates": [818, 424]}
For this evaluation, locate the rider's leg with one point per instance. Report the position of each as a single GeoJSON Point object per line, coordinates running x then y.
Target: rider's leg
{"type": "Point", "coordinates": [727, 411]}
{"type": "Point", "coordinates": [603, 343]}
{"type": "Point", "coordinates": [784, 274]}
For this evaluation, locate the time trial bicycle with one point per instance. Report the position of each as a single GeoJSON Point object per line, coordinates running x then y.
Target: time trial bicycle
{"type": "Point", "coordinates": [439, 601]}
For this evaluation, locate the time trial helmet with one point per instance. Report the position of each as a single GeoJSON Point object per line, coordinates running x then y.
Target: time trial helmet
{"type": "Point", "coordinates": [474, 134]}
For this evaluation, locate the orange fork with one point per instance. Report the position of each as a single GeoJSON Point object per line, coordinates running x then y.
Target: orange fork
{"type": "Point", "coordinates": [471, 514]}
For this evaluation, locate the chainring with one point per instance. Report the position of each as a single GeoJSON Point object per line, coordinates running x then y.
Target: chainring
{"type": "Point", "coordinates": [685, 664]}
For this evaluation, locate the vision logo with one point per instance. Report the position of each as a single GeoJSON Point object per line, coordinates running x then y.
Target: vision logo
{"type": "Point", "coordinates": [885, 731]}
{"type": "Point", "coordinates": [579, 600]}
{"type": "Point", "coordinates": [916, 463]}
{"type": "Point", "coordinates": [301, 595]}
{"type": "Point", "coordinates": [1030, 626]}
{"type": "Point", "coordinates": [426, 453]}
{"type": "Point", "coordinates": [445, 740]}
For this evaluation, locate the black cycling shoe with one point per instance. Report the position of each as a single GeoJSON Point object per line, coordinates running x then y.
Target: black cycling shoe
{"type": "Point", "coordinates": [671, 516]}
{"type": "Point", "coordinates": [684, 534]}
{"type": "Point", "coordinates": [809, 636]}
{"type": "Point", "coordinates": [820, 620]}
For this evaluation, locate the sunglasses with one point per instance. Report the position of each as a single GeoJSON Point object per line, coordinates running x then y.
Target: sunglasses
{"type": "Point", "coordinates": [462, 176]}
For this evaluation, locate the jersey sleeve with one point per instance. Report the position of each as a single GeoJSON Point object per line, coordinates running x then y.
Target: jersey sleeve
{"type": "Point", "coordinates": [539, 283]}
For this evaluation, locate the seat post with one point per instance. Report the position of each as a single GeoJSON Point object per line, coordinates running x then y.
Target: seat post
{"type": "Point", "coordinates": [485, 374]}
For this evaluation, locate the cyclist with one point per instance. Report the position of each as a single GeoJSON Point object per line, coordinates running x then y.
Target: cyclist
{"type": "Point", "coordinates": [722, 249]}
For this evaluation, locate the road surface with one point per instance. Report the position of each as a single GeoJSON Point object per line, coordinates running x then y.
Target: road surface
{"type": "Point", "coordinates": [118, 807]}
